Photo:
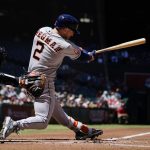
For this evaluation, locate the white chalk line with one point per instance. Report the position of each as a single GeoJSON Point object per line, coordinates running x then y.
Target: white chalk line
{"type": "Point", "coordinates": [130, 145]}
{"type": "Point", "coordinates": [128, 137]}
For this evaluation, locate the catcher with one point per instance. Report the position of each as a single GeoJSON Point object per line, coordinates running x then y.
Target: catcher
{"type": "Point", "coordinates": [50, 46]}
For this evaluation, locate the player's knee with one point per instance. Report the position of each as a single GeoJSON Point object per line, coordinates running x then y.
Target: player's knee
{"type": "Point", "coordinates": [43, 123]}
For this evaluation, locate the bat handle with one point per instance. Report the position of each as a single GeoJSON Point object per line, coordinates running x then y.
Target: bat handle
{"type": "Point", "coordinates": [9, 79]}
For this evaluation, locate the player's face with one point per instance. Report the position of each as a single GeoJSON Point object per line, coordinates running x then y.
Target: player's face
{"type": "Point", "coordinates": [68, 33]}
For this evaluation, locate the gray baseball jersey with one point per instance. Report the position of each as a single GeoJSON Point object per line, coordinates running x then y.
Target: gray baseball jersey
{"type": "Point", "coordinates": [49, 50]}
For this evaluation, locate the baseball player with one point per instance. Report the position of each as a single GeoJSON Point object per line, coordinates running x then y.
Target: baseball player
{"type": "Point", "coordinates": [50, 46]}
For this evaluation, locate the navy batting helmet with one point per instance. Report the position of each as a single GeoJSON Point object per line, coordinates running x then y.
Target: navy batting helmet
{"type": "Point", "coordinates": [68, 21]}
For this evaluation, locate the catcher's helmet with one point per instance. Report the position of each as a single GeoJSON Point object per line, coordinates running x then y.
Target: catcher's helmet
{"type": "Point", "coordinates": [66, 20]}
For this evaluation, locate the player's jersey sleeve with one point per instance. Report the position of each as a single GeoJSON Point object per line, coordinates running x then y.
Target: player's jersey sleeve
{"type": "Point", "coordinates": [73, 51]}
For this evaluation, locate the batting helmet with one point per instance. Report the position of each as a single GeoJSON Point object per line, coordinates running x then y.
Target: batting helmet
{"type": "Point", "coordinates": [68, 21]}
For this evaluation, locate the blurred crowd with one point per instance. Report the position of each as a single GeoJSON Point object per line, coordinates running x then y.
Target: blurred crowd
{"type": "Point", "coordinates": [13, 95]}
{"type": "Point", "coordinates": [105, 99]}
{"type": "Point", "coordinates": [83, 90]}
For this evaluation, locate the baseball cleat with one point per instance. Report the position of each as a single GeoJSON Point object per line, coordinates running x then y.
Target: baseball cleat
{"type": "Point", "coordinates": [8, 128]}
{"type": "Point", "coordinates": [83, 136]}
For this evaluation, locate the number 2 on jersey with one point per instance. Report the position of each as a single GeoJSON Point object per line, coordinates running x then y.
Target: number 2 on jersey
{"type": "Point", "coordinates": [38, 50]}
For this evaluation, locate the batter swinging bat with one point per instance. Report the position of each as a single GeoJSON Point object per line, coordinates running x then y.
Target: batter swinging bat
{"type": "Point", "coordinates": [123, 45]}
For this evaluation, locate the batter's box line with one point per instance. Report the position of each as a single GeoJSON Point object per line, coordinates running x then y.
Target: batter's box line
{"type": "Point", "coordinates": [31, 140]}
{"type": "Point", "coordinates": [127, 137]}
{"type": "Point", "coordinates": [45, 140]}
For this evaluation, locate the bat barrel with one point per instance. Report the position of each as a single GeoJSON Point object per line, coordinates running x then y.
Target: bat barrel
{"type": "Point", "coordinates": [123, 45]}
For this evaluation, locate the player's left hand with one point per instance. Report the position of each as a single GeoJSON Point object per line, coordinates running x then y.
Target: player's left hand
{"type": "Point", "coordinates": [93, 55]}
{"type": "Point", "coordinates": [33, 82]}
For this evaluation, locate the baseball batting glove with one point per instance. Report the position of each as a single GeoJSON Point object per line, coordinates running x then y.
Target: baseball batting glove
{"type": "Point", "coordinates": [33, 82]}
{"type": "Point", "coordinates": [93, 55]}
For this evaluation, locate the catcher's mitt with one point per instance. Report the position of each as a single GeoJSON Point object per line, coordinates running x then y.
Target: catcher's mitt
{"type": "Point", "coordinates": [33, 82]}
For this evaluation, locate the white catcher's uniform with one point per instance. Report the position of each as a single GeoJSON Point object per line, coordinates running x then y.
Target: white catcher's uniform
{"type": "Point", "coordinates": [48, 52]}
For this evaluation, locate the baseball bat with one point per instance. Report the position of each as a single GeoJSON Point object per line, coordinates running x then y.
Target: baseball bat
{"type": "Point", "coordinates": [9, 79]}
{"type": "Point", "coordinates": [123, 45]}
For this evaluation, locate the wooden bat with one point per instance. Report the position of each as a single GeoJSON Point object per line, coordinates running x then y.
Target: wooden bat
{"type": "Point", "coordinates": [123, 45]}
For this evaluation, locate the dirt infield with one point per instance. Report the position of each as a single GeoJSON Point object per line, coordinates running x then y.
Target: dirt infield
{"type": "Point", "coordinates": [112, 139]}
